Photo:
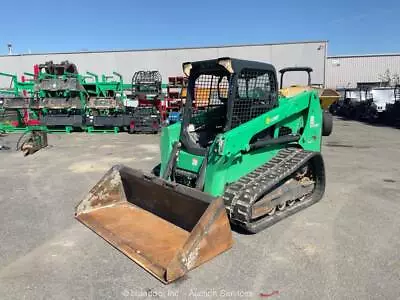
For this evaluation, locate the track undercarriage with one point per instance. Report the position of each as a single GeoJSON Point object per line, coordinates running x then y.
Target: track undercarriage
{"type": "Point", "coordinates": [290, 182]}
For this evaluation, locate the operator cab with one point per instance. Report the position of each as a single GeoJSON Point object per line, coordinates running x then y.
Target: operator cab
{"type": "Point", "coordinates": [223, 94]}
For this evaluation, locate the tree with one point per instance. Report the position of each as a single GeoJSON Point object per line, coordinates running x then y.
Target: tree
{"type": "Point", "coordinates": [395, 79]}
{"type": "Point", "coordinates": [385, 78]}
{"type": "Point", "coordinates": [388, 79]}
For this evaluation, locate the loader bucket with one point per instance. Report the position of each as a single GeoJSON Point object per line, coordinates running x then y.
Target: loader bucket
{"type": "Point", "coordinates": [166, 228]}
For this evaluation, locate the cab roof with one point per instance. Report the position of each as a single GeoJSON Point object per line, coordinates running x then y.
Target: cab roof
{"type": "Point", "coordinates": [294, 69]}
{"type": "Point", "coordinates": [237, 65]}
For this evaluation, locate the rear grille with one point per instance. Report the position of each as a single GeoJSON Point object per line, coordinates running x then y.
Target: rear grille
{"type": "Point", "coordinates": [284, 131]}
{"type": "Point", "coordinates": [185, 178]}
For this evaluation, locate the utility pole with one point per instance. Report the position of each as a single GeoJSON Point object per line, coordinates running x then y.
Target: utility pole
{"type": "Point", "coordinates": [10, 52]}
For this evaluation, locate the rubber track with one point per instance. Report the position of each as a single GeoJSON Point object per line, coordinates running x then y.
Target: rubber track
{"type": "Point", "coordinates": [240, 196]}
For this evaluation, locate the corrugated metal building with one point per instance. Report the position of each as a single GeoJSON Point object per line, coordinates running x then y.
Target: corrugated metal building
{"type": "Point", "coordinates": [169, 61]}
{"type": "Point", "coordinates": [361, 70]}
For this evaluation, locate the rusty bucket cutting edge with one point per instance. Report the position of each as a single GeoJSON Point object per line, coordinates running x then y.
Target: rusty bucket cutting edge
{"type": "Point", "coordinates": [167, 229]}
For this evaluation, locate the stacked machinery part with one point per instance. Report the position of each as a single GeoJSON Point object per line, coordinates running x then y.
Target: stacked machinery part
{"type": "Point", "coordinates": [175, 99]}
{"type": "Point", "coordinates": [106, 101]}
{"type": "Point", "coordinates": [16, 102]}
{"type": "Point", "coordinates": [72, 100]}
{"type": "Point", "coordinates": [105, 95]}
{"type": "Point", "coordinates": [18, 95]}
{"type": "Point", "coordinates": [147, 92]}
{"type": "Point", "coordinates": [60, 94]}
{"type": "Point", "coordinates": [146, 85]}
{"type": "Point", "coordinates": [65, 67]}
{"type": "Point", "coordinates": [245, 154]}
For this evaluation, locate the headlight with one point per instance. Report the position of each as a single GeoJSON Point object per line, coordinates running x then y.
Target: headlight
{"type": "Point", "coordinates": [186, 68]}
{"type": "Point", "coordinates": [226, 63]}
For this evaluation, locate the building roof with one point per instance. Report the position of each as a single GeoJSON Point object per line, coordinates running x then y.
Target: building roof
{"type": "Point", "coordinates": [167, 49]}
{"type": "Point", "coordinates": [362, 55]}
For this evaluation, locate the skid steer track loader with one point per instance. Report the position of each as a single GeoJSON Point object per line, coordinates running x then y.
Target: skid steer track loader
{"type": "Point", "coordinates": [243, 156]}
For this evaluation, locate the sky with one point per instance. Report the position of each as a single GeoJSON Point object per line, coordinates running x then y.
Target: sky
{"type": "Point", "coordinates": [351, 27]}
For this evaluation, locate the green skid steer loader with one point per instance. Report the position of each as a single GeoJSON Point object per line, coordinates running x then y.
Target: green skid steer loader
{"type": "Point", "coordinates": [242, 155]}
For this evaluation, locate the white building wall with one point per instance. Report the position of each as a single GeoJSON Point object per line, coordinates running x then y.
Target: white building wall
{"type": "Point", "coordinates": [347, 71]}
{"type": "Point", "coordinates": [169, 61]}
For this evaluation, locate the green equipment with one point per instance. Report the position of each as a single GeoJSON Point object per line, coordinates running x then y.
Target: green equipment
{"type": "Point", "coordinates": [147, 93]}
{"type": "Point", "coordinates": [60, 95]}
{"type": "Point", "coordinates": [15, 103]}
{"type": "Point", "coordinates": [105, 103]}
{"type": "Point", "coordinates": [69, 100]}
{"type": "Point", "coordinates": [242, 153]}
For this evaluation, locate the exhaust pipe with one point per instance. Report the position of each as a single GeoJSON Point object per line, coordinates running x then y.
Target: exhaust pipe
{"type": "Point", "coordinates": [166, 228]}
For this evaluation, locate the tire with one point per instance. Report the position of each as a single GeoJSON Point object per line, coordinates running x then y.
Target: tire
{"type": "Point", "coordinates": [327, 124]}
{"type": "Point", "coordinates": [333, 109]}
{"type": "Point", "coordinates": [357, 114]}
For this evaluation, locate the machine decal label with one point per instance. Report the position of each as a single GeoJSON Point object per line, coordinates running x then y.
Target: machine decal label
{"type": "Point", "coordinates": [195, 162]}
{"type": "Point", "coordinates": [273, 119]}
{"type": "Point", "coordinates": [312, 122]}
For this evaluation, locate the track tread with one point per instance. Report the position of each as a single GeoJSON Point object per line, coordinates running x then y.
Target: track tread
{"type": "Point", "coordinates": [240, 196]}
